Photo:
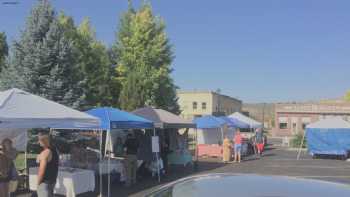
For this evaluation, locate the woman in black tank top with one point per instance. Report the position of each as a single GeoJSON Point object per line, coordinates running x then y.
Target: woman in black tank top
{"type": "Point", "coordinates": [51, 170]}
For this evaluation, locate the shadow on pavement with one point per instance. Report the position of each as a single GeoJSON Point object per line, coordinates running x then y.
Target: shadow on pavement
{"type": "Point", "coordinates": [175, 173]}
{"type": "Point", "coordinates": [269, 155]}
{"type": "Point", "coordinates": [269, 147]}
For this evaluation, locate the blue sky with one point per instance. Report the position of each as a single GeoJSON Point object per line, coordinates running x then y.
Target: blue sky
{"type": "Point", "coordinates": [258, 51]}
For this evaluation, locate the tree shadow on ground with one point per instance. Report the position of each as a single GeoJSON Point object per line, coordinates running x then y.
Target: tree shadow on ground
{"type": "Point", "coordinates": [268, 148]}
{"type": "Point", "coordinates": [268, 155]}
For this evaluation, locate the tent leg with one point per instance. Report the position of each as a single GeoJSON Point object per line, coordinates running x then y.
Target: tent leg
{"type": "Point", "coordinates": [301, 145]}
{"type": "Point", "coordinates": [196, 145]}
{"type": "Point", "coordinates": [196, 151]}
{"type": "Point", "coordinates": [100, 167]}
{"type": "Point", "coordinates": [222, 135]}
{"type": "Point", "coordinates": [157, 158]}
{"type": "Point", "coordinates": [26, 170]}
{"type": "Point", "coordinates": [109, 164]}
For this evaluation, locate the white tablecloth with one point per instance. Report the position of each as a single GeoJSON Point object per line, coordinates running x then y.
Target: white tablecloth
{"type": "Point", "coordinates": [68, 183]}
{"type": "Point", "coordinates": [115, 165]}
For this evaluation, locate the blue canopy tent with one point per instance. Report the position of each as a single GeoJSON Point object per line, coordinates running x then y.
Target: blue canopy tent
{"type": "Point", "coordinates": [112, 118]}
{"type": "Point", "coordinates": [232, 124]}
{"type": "Point", "coordinates": [329, 136]}
{"type": "Point", "coordinates": [209, 125]}
{"type": "Point", "coordinates": [209, 122]}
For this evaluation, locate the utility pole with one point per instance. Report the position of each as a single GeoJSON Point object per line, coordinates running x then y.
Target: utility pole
{"type": "Point", "coordinates": [218, 91]}
{"type": "Point", "coordinates": [263, 116]}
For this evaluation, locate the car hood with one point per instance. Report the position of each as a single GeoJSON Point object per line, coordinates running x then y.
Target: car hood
{"type": "Point", "coordinates": [249, 185]}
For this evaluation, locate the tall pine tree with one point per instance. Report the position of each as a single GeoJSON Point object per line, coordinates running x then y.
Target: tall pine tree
{"type": "Point", "coordinates": [43, 61]}
{"type": "Point", "coordinates": [142, 47]}
{"type": "Point", "coordinates": [3, 50]}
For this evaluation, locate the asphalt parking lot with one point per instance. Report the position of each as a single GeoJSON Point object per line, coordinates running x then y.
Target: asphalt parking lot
{"type": "Point", "coordinates": [276, 161]}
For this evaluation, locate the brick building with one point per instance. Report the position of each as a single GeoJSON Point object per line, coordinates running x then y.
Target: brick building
{"type": "Point", "coordinates": [292, 118]}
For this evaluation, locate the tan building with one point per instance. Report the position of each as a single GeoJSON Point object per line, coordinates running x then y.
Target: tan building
{"type": "Point", "coordinates": [199, 103]}
{"type": "Point", "coordinates": [293, 117]}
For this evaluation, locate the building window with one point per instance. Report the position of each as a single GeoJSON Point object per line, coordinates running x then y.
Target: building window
{"type": "Point", "coordinates": [204, 105]}
{"type": "Point", "coordinates": [304, 126]}
{"type": "Point", "coordinates": [194, 105]}
{"type": "Point", "coordinates": [294, 127]}
{"type": "Point", "coordinates": [283, 125]}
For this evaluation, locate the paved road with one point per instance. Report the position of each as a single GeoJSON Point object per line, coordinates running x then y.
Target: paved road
{"type": "Point", "coordinates": [276, 161]}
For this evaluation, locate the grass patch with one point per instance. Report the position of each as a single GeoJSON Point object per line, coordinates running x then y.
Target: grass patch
{"type": "Point", "coordinates": [295, 142]}
{"type": "Point", "coordinates": [20, 160]}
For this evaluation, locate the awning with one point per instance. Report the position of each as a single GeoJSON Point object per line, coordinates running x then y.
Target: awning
{"type": "Point", "coordinates": [163, 119]}
{"type": "Point", "coordinates": [112, 118]}
{"type": "Point", "coordinates": [209, 122]}
{"type": "Point", "coordinates": [22, 110]}
{"type": "Point", "coordinates": [245, 119]}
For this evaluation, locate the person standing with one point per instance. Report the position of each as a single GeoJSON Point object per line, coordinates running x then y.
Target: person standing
{"type": "Point", "coordinates": [48, 167]}
{"type": "Point", "coordinates": [131, 146]}
{"type": "Point", "coordinates": [5, 171]}
{"type": "Point", "coordinates": [118, 147]}
{"type": "Point", "coordinates": [11, 153]}
{"type": "Point", "coordinates": [259, 141]}
{"type": "Point", "coordinates": [8, 149]}
{"type": "Point", "coordinates": [238, 145]}
{"type": "Point", "coordinates": [227, 147]}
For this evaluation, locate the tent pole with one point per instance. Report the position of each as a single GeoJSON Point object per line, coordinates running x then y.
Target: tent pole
{"type": "Point", "coordinates": [157, 157]}
{"type": "Point", "coordinates": [301, 145]}
{"type": "Point", "coordinates": [222, 135]}
{"type": "Point", "coordinates": [196, 145]}
{"type": "Point", "coordinates": [109, 164]}
{"type": "Point", "coordinates": [26, 170]}
{"type": "Point", "coordinates": [101, 132]}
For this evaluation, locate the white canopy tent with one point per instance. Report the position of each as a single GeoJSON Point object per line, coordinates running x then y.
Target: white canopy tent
{"type": "Point", "coordinates": [253, 124]}
{"type": "Point", "coordinates": [335, 122]}
{"type": "Point", "coordinates": [20, 110]}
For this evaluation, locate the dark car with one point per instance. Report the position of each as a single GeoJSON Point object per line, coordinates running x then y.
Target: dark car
{"type": "Point", "coordinates": [243, 185]}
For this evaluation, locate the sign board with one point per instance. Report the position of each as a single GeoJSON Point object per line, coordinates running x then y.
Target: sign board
{"type": "Point", "coordinates": [155, 144]}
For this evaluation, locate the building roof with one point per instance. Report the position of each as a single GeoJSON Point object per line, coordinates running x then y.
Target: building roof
{"type": "Point", "coordinates": [332, 108]}
{"type": "Point", "coordinates": [164, 119]}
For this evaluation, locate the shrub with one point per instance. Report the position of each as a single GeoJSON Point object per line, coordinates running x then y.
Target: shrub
{"type": "Point", "coordinates": [295, 142]}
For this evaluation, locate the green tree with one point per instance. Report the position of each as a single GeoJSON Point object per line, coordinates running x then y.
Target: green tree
{"type": "Point", "coordinates": [133, 92]}
{"type": "Point", "coordinates": [3, 50]}
{"type": "Point", "coordinates": [347, 96]}
{"type": "Point", "coordinates": [93, 61]}
{"type": "Point", "coordinates": [142, 46]}
{"type": "Point", "coordinates": [43, 61]}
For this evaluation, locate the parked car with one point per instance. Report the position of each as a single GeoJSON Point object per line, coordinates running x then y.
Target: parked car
{"type": "Point", "coordinates": [248, 185]}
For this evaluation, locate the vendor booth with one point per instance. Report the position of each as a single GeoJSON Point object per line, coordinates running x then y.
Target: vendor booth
{"type": "Point", "coordinates": [210, 134]}
{"type": "Point", "coordinates": [328, 137]}
{"type": "Point", "coordinates": [168, 124]}
{"type": "Point", "coordinates": [115, 122]}
{"type": "Point", "coordinates": [20, 110]}
{"type": "Point", "coordinates": [243, 121]}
